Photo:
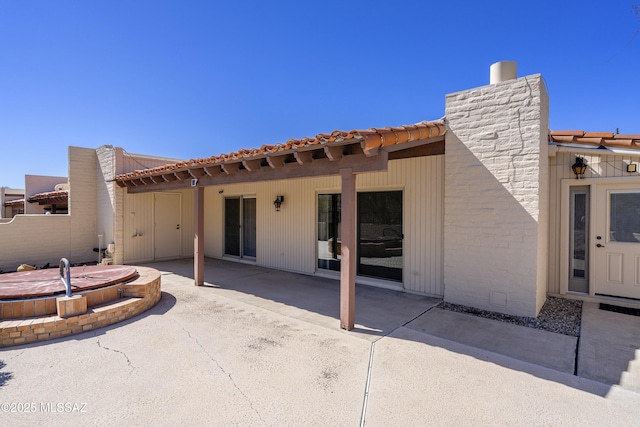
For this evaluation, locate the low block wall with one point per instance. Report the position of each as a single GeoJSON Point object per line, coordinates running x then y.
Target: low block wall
{"type": "Point", "coordinates": [138, 297]}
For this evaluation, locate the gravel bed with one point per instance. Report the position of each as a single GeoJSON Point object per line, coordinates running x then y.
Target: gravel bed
{"type": "Point", "coordinates": [559, 315]}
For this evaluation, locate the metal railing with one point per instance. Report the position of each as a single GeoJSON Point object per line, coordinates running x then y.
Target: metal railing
{"type": "Point", "coordinates": [64, 264]}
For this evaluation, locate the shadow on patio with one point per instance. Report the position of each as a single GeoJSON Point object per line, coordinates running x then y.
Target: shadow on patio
{"type": "Point", "coordinates": [379, 313]}
{"type": "Point", "coordinates": [310, 298]}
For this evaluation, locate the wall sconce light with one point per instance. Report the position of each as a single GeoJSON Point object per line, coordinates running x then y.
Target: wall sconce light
{"type": "Point", "coordinates": [278, 202]}
{"type": "Point", "coordinates": [579, 168]}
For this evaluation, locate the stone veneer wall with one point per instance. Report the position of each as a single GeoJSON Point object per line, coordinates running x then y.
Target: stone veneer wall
{"type": "Point", "coordinates": [496, 197]}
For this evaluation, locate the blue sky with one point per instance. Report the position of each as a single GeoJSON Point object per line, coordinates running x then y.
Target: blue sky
{"type": "Point", "coordinates": [191, 79]}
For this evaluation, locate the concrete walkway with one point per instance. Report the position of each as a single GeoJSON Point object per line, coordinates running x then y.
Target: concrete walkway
{"type": "Point", "coordinates": [263, 347]}
{"type": "Point", "coordinates": [609, 350]}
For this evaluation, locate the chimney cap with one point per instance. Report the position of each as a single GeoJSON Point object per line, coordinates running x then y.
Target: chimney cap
{"type": "Point", "coordinates": [503, 71]}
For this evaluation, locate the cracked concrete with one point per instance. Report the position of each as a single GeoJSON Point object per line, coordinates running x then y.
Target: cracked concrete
{"type": "Point", "coordinates": [224, 372]}
{"type": "Point", "coordinates": [267, 350]}
{"type": "Point", "coordinates": [117, 351]}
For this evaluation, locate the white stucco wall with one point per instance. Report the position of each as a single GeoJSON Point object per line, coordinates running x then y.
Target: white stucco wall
{"type": "Point", "coordinates": [495, 209]}
{"type": "Point", "coordinates": [39, 239]}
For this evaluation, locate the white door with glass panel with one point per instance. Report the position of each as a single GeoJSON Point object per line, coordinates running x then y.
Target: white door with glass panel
{"type": "Point", "coordinates": [617, 241]}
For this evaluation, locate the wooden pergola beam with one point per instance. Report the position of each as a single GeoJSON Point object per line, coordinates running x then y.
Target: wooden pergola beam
{"type": "Point", "coordinates": [197, 172]}
{"type": "Point", "coordinates": [252, 165]}
{"type": "Point", "coordinates": [359, 163]}
{"type": "Point", "coordinates": [334, 152]}
{"type": "Point", "coordinates": [303, 157]}
{"type": "Point", "coordinates": [230, 168]}
{"type": "Point", "coordinates": [275, 161]}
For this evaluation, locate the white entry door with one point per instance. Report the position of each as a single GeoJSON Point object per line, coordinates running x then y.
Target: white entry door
{"type": "Point", "coordinates": [167, 230]}
{"type": "Point", "coordinates": [617, 241]}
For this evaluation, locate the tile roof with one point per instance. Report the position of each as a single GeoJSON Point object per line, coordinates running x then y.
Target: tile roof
{"type": "Point", "coordinates": [370, 139]}
{"type": "Point", "coordinates": [603, 139]}
{"type": "Point", "coordinates": [16, 202]}
{"type": "Point", "coordinates": [51, 197]}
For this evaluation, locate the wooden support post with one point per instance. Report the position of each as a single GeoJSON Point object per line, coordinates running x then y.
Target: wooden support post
{"type": "Point", "coordinates": [348, 251]}
{"type": "Point", "coordinates": [198, 238]}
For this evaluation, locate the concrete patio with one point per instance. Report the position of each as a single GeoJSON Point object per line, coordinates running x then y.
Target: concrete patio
{"type": "Point", "coordinates": [263, 347]}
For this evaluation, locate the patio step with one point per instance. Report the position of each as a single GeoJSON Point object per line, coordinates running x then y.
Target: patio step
{"type": "Point", "coordinates": [139, 296]}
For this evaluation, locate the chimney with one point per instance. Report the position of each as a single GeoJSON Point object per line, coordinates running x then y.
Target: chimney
{"type": "Point", "coordinates": [503, 71]}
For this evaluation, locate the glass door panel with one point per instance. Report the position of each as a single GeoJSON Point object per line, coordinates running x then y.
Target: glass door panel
{"type": "Point", "coordinates": [624, 217]}
{"type": "Point", "coordinates": [380, 235]}
{"type": "Point", "coordinates": [249, 227]}
{"type": "Point", "coordinates": [232, 226]}
{"type": "Point", "coordinates": [579, 240]}
{"type": "Point", "coordinates": [329, 231]}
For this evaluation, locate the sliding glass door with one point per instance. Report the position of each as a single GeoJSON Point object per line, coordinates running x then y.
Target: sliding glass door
{"type": "Point", "coordinates": [240, 226]}
{"type": "Point", "coordinates": [379, 234]}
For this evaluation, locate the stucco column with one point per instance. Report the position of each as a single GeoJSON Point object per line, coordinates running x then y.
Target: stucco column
{"type": "Point", "coordinates": [198, 239]}
{"type": "Point", "coordinates": [348, 250]}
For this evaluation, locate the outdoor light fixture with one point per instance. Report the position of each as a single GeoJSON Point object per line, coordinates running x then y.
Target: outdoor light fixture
{"type": "Point", "coordinates": [579, 168]}
{"type": "Point", "coordinates": [278, 202]}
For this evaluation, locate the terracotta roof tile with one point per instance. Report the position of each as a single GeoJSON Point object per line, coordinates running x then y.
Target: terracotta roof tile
{"type": "Point", "coordinates": [627, 136]}
{"type": "Point", "coordinates": [604, 139]}
{"type": "Point", "coordinates": [598, 134]}
{"type": "Point", "coordinates": [56, 196]}
{"type": "Point", "coordinates": [373, 138]}
{"type": "Point", "coordinates": [567, 132]}
{"type": "Point", "coordinates": [16, 202]}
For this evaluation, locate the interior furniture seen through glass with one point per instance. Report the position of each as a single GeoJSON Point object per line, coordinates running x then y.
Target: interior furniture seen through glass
{"type": "Point", "coordinates": [379, 234]}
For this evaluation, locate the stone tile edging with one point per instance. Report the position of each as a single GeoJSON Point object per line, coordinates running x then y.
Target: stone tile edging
{"type": "Point", "coordinates": [138, 296]}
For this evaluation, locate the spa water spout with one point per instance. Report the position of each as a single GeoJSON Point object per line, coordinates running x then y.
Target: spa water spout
{"type": "Point", "coordinates": [64, 264]}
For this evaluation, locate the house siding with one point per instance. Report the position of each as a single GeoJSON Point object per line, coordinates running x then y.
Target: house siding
{"type": "Point", "coordinates": [286, 239]}
{"type": "Point", "coordinates": [138, 226]}
{"type": "Point", "coordinates": [598, 167]}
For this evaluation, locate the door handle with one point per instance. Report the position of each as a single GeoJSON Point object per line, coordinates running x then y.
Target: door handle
{"type": "Point", "coordinates": [599, 246]}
